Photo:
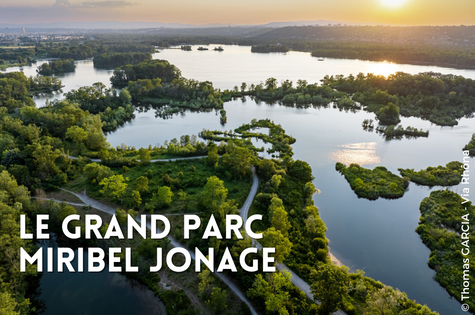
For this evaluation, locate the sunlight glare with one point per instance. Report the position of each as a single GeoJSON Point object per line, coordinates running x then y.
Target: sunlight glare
{"type": "Point", "coordinates": [393, 3]}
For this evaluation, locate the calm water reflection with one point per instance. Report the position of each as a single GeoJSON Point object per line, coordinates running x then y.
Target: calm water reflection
{"type": "Point", "coordinates": [95, 293]}
{"type": "Point", "coordinates": [376, 236]}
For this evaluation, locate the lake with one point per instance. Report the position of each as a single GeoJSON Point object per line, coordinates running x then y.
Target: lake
{"type": "Point", "coordinates": [88, 293]}
{"type": "Point", "coordinates": [376, 236]}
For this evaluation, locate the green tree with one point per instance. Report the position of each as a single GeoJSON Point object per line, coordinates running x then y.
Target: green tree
{"type": "Point", "coordinates": [275, 238]}
{"type": "Point", "coordinates": [145, 157]}
{"type": "Point", "coordinates": [141, 184]}
{"type": "Point", "coordinates": [273, 290]}
{"type": "Point", "coordinates": [217, 301]}
{"type": "Point", "coordinates": [76, 134]}
{"type": "Point", "coordinates": [114, 186]}
{"type": "Point", "coordinates": [163, 197]}
{"type": "Point", "coordinates": [213, 157]}
{"type": "Point", "coordinates": [385, 301]}
{"type": "Point", "coordinates": [95, 173]}
{"type": "Point", "coordinates": [275, 181]}
{"type": "Point", "coordinates": [389, 114]}
{"type": "Point", "coordinates": [271, 84]}
{"type": "Point", "coordinates": [214, 192]}
{"type": "Point", "coordinates": [279, 218]}
{"type": "Point", "coordinates": [136, 197]}
{"type": "Point", "coordinates": [328, 285]}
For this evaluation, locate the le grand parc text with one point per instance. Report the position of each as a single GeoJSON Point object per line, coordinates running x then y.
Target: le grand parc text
{"type": "Point", "coordinates": [96, 256]}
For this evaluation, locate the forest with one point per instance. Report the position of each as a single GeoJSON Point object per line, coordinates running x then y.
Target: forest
{"type": "Point", "coordinates": [470, 147]}
{"type": "Point", "coordinates": [269, 48]}
{"type": "Point", "coordinates": [48, 148]}
{"type": "Point", "coordinates": [448, 175]}
{"type": "Point", "coordinates": [442, 217]}
{"type": "Point", "coordinates": [56, 66]}
{"type": "Point", "coordinates": [439, 98]}
{"type": "Point", "coordinates": [372, 184]}
{"type": "Point", "coordinates": [114, 60]}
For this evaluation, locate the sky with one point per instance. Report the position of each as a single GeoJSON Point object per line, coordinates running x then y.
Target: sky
{"type": "Point", "coordinates": [200, 12]}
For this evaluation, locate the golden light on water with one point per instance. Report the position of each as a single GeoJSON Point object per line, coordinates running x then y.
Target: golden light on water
{"type": "Point", "coordinates": [384, 68]}
{"type": "Point", "coordinates": [393, 3]}
{"type": "Point", "coordinates": [360, 153]}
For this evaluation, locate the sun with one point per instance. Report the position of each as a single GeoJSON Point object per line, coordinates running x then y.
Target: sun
{"type": "Point", "coordinates": [393, 3]}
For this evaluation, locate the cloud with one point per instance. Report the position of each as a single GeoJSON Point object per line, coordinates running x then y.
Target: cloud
{"type": "Point", "coordinates": [105, 4]}
{"type": "Point", "coordinates": [62, 3]}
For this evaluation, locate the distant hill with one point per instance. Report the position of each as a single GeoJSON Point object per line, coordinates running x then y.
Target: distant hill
{"type": "Point", "coordinates": [142, 25]}
{"type": "Point", "coordinates": [305, 23]}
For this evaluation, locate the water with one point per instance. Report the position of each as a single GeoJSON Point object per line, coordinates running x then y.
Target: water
{"type": "Point", "coordinates": [95, 293]}
{"type": "Point", "coordinates": [376, 236]}
{"type": "Point", "coordinates": [84, 75]}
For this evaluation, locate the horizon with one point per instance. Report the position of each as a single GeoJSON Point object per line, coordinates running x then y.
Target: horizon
{"type": "Point", "coordinates": [244, 13]}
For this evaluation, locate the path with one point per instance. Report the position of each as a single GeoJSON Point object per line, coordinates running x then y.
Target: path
{"type": "Point", "coordinates": [99, 206]}
{"type": "Point", "coordinates": [295, 279]}
{"type": "Point", "coordinates": [152, 161]}
{"type": "Point", "coordinates": [244, 213]}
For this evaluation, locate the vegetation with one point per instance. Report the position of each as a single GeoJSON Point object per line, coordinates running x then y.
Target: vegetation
{"type": "Point", "coordinates": [470, 147]}
{"type": "Point", "coordinates": [372, 184]}
{"type": "Point", "coordinates": [57, 66]}
{"type": "Point", "coordinates": [114, 108]}
{"type": "Point", "coordinates": [114, 60]}
{"type": "Point", "coordinates": [440, 98]}
{"type": "Point", "coordinates": [186, 48]}
{"type": "Point", "coordinates": [269, 48]}
{"type": "Point", "coordinates": [15, 285]}
{"type": "Point", "coordinates": [36, 144]}
{"type": "Point", "coordinates": [280, 141]}
{"type": "Point", "coordinates": [392, 52]}
{"type": "Point", "coordinates": [16, 89]}
{"type": "Point", "coordinates": [444, 217]}
{"type": "Point", "coordinates": [448, 175]}
{"type": "Point", "coordinates": [147, 70]}
{"type": "Point", "coordinates": [391, 132]}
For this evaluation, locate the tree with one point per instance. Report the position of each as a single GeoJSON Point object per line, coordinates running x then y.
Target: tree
{"type": "Point", "coordinates": [114, 186]}
{"type": "Point", "coordinates": [76, 134]}
{"type": "Point", "coordinates": [95, 173]}
{"type": "Point", "coordinates": [163, 197]}
{"type": "Point", "coordinates": [385, 301]}
{"type": "Point", "coordinates": [45, 157]}
{"type": "Point", "coordinates": [141, 184]}
{"type": "Point", "coordinates": [144, 156]}
{"type": "Point", "coordinates": [329, 284]}
{"type": "Point", "coordinates": [275, 238]}
{"type": "Point", "coordinates": [275, 181]}
{"type": "Point", "coordinates": [213, 157]}
{"type": "Point", "coordinates": [389, 114]}
{"type": "Point", "coordinates": [243, 87]}
{"type": "Point", "coordinates": [279, 219]}
{"type": "Point", "coordinates": [214, 192]}
{"type": "Point", "coordinates": [301, 171]}
{"type": "Point", "coordinates": [271, 84]}
{"type": "Point", "coordinates": [273, 290]}
{"type": "Point", "coordinates": [217, 300]}
{"type": "Point", "coordinates": [136, 197]}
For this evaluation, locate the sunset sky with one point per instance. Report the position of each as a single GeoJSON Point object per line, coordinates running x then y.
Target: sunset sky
{"type": "Point", "coordinates": [396, 12]}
